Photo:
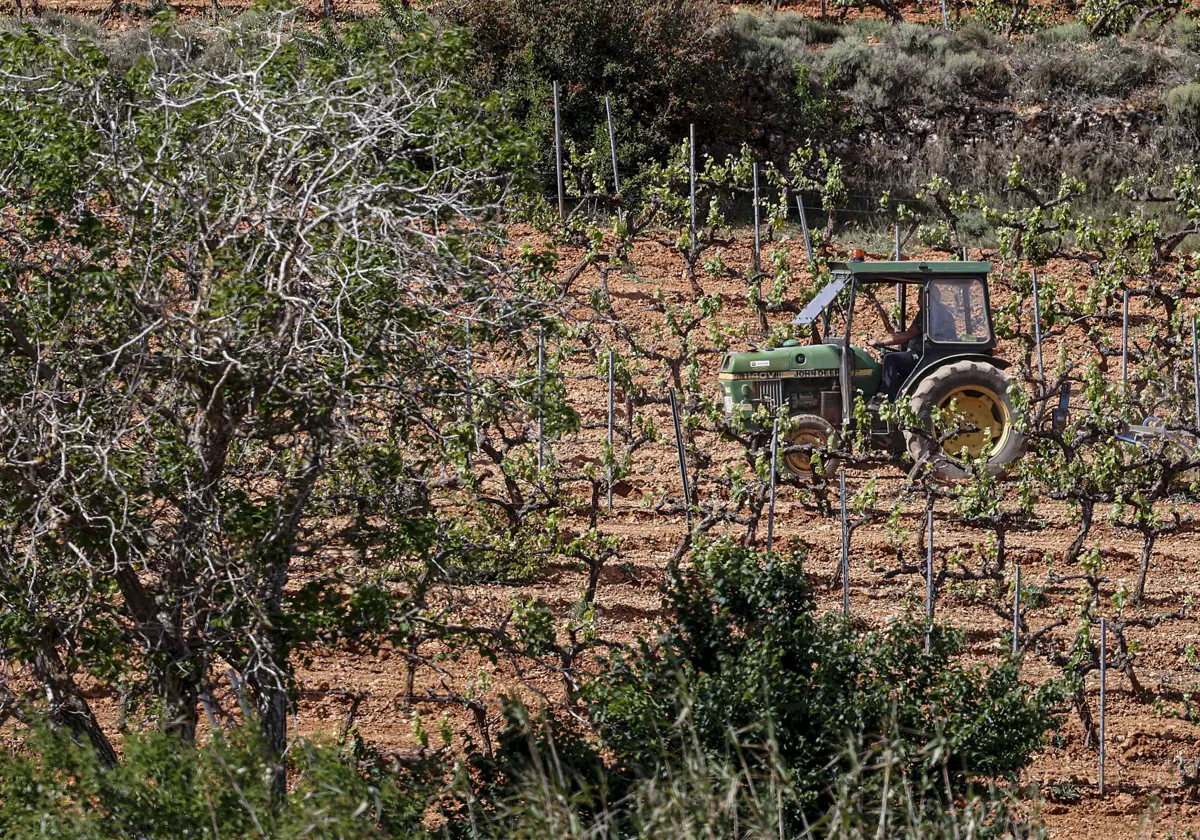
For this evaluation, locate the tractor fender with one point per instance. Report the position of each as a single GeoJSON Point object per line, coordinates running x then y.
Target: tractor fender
{"type": "Point", "coordinates": [925, 368]}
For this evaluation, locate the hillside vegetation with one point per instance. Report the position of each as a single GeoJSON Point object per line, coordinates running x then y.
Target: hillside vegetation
{"type": "Point", "coordinates": [303, 366]}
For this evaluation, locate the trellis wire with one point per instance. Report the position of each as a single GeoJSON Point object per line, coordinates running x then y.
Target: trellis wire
{"type": "Point", "coordinates": [1016, 609]}
{"type": "Point", "coordinates": [1037, 330]}
{"type": "Point", "coordinates": [1103, 695]}
{"type": "Point", "coordinates": [1196, 371]}
{"type": "Point", "coordinates": [683, 475]}
{"type": "Point", "coordinates": [611, 454]}
{"type": "Point", "coordinates": [692, 183]}
{"type": "Point", "coordinates": [845, 544]}
{"type": "Point", "coordinates": [771, 500]}
{"type": "Point", "coordinates": [1125, 340]}
{"type": "Point", "coordinates": [558, 162]}
{"type": "Point", "coordinates": [612, 146]}
{"type": "Point", "coordinates": [804, 227]}
{"type": "Point", "coordinates": [757, 232]}
{"type": "Point", "coordinates": [541, 425]}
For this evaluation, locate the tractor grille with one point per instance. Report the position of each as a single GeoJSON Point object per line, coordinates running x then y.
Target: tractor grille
{"type": "Point", "coordinates": [769, 392]}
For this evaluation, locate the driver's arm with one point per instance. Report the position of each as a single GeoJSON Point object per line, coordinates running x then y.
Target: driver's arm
{"type": "Point", "coordinates": [897, 339]}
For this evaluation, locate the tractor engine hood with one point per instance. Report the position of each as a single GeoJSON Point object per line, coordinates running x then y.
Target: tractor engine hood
{"type": "Point", "coordinates": [793, 360]}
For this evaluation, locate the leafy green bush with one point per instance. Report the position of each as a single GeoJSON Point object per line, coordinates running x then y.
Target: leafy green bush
{"type": "Point", "coordinates": [1010, 17]}
{"type": "Point", "coordinates": [658, 60]}
{"type": "Point", "coordinates": [164, 789]}
{"type": "Point", "coordinates": [915, 65]}
{"type": "Point", "coordinates": [1110, 69]}
{"type": "Point", "coordinates": [749, 654]}
{"type": "Point", "coordinates": [1065, 33]}
{"type": "Point", "coordinates": [1183, 102]}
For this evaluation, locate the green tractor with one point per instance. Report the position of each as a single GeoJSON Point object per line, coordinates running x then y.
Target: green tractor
{"type": "Point", "coordinates": [949, 364]}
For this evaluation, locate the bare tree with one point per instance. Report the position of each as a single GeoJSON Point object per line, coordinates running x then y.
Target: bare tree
{"type": "Point", "coordinates": [233, 305]}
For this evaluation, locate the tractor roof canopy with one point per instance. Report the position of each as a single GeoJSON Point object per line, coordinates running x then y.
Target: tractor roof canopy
{"type": "Point", "coordinates": [906, 271]}
{"type": "Point", "coordinates": [892, 271]}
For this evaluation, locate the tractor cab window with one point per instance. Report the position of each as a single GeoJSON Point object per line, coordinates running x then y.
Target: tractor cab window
{"type": "Point", "coordinates": [958, 312]}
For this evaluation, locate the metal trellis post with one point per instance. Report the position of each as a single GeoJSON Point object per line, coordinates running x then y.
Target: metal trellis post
{"type": "Point", "coordinates": [900, 288]}
{"type": "Point", "coordinates": [1037, 330]}
{"type": "Point", "coordinates": [1125, 340]}
{"type": "Point", "coordinates": [611, 453]}
{"type": "Point", "coordinates": [804, 227]}
{"type": "Point", "coordinates": [757, 232]}
{"type": "Point", "coordinates": [929, 588]}
{"type": "Point", "coordinates": [1103, 695]}
{"type": "Point", "coordinates": [771, 501]}
{"type": "Point", "coordinates": [683, 475]}
{"type": "Point", "coordinates": [1196, 371]}
{"type": "Point", "coordinates": [692, 184]}
{"type": "Point", "coordinates": [558, 158]}
{"type": "Point", "coordinates": [612, 146]}
{"type": "Point", "coordinates": [1016, 609]}
{"type": "Point", "coordinates": [541, 426]}
{"type": "Point", "coordinates": [845, 544]}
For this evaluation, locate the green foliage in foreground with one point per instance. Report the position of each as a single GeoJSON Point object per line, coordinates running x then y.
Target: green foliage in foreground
{"type": "Point", "coordinates": [749, 716]}
{"type": "Point", "coordinates": [750, 676]}
{"type": "Point", "coordinates": [164, 788]}
{"type": "Point", "coordinates": [750, 654]}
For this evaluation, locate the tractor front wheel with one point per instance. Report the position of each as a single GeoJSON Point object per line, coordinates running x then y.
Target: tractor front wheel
{"type": "Point", "coordinates": [974, 402]}
{"type": "Point", "coordinates": [812, 433]}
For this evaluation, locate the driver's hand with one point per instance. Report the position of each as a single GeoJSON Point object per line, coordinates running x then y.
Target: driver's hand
{"type": "Point", "coordinates": [876, 343]}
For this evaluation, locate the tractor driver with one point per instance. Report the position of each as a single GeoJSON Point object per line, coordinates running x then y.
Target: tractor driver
{"type": "Point", "coordinates": [898, 364]}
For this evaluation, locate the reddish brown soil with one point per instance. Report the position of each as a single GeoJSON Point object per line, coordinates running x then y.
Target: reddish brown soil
{"type": "Point", "coordinates": [1147, 737]}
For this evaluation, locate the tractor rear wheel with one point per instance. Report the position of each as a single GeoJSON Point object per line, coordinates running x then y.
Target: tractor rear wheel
{"type": "Point", "coordinates": [974, 397]}
{"type": "Point", "coordinates": [813, 433]}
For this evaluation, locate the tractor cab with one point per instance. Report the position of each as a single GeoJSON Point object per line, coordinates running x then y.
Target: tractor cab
{"type": "Point", "coordinates": [954, 294]}
{"type": "Point", "coordinates": [946, 361]}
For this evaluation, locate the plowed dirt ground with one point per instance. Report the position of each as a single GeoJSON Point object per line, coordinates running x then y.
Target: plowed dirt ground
{"type": "Point", "coordinates": [1149, 740]}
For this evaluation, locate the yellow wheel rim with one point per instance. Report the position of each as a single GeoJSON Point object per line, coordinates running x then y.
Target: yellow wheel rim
{"type": "Point", "coordinates": [801, 462]}
{"type": "Point", "coordinates": [981, 408]}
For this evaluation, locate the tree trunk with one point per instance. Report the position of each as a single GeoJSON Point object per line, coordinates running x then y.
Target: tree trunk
{"type": "Point", "coordinates": [1148, 541]}
{"type": "Point", "coordinates": [68, 708]}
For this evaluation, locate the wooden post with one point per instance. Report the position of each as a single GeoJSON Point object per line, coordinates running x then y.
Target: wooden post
{"type": "Point", "coordinates": [558, 158]}
{"type": "Point", "coordinates": [771, 502]}
{"type": "Point", "coordinates": [683, 475]}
